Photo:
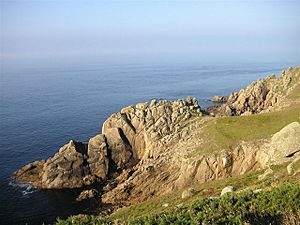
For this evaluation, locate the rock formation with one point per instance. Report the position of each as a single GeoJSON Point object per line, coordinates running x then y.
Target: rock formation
{"type": "Point", "coordinates": [287, 140]}
{"type": "Point", "coordinates": [149, 149]}
{"type": "Point", "coordinates": [228, 189]}
{"type": "Point", "coordinates": [127, 137]}
{"type": "Point", "coordinates": [220, 99]}
{"type": "Point", "coordinates": [261, 95]}
{"type": "Point", "coordinates": [87, 194]}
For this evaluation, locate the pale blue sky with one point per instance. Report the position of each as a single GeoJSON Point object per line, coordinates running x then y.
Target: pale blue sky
{"type": "Point", "coordinates": [254, 30]}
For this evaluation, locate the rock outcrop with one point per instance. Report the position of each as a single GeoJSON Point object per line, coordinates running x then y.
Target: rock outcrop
{"type": "Point", "coordinates": [261, 95]}
{"type": "Point", "coordinates": [87, 194]}
{"type": "Point", "coordinates": [228, 189]}
{"type": "Point", "coordinates": [127, 137]}
{"type": "Point", "coordinates": [220, 99]}
{"type": "Point", "coordinates": [287, 140]}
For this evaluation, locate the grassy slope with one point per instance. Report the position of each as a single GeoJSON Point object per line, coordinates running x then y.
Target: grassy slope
{"type": "Point", "coordinates": [141, 213]}
{"type": "Point", "coordinates": [212, 188]}
{"type": "Point", "coordinates": [227, 132]}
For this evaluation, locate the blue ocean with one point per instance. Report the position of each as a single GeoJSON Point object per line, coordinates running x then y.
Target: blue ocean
{"type": "Point", "coordinates": [42, 108]}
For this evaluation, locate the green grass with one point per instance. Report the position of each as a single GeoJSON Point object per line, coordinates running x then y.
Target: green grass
{"type": "Point", "coordinates": [227, 132]}
{"type": "Point", "coordinates": [214, 188]}
{"type": "Point", "coordinates": [281, 205]}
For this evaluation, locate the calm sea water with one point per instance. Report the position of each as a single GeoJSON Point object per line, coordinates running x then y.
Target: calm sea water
{"type": "Point", "coordinates": [43, 108]}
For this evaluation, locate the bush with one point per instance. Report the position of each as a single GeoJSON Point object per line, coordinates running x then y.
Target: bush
{"type": "Point", "coordinates": [278, 206]}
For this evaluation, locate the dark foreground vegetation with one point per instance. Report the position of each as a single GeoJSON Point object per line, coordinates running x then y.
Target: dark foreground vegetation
{"type": "Point", "coordinates": [280, 205]}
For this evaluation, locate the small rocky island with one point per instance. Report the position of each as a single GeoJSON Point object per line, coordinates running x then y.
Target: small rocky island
{"type": "Point", "coordinates": [156, 147]}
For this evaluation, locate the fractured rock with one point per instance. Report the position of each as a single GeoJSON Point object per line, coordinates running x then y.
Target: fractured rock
{"type": "Point", "coordinates": [98, 156]}
{"type": "Point", "coordinates": [87, 194]}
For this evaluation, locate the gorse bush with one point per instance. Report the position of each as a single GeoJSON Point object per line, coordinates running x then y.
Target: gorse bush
{"type": "Point", "coordinates": [272, 207]}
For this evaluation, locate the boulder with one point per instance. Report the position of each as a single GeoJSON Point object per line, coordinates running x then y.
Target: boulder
{"type": "Point", "coordinates": [267, 173]}
{"type": "Point", "coordinates": [98, 156]}
{"type": "Point", "coordinates": [287, 140]}
{"type": "Point", "coordinates": [87, 194]}
{"type": "Point", "coordinates": [188, 193]}
{"type": "Point", "coordinates": [120, 149]}
{"type": "Point", "coordinates": [67, 168]}
{"type": "Point", "coordinates": [227, 189]}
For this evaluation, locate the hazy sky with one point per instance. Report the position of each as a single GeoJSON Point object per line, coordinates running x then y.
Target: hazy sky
{"type": "Point", "coordinates": [254, 30]}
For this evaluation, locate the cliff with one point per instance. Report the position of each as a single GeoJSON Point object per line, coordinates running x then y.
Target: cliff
{"type": "Point", "coordinates": [158, 147]}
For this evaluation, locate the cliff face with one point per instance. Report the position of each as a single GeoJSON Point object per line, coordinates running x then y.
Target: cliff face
{"type": "Point", "coordinates": [148, 149]}
{"type": "Point", "coordinates": [132, 135]}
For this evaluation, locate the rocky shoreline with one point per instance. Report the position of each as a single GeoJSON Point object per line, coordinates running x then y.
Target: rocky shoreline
{"type": "Point", "coordinates": [144, 150]}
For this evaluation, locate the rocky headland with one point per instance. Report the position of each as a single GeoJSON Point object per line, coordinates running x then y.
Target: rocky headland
{"type": "Point", "coordinates": [156, 147]}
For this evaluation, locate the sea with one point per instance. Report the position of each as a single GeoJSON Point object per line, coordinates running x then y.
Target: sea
{"type": "Point", "coordinates": [43, 107]}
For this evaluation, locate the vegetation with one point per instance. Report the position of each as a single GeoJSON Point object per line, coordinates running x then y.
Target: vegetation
{"type": "Point", "coordinates": [227, 132]}
{"type": "Point", "coordinates": [243, 206]}
{"type": "Point", "coordinates": [278, 206]}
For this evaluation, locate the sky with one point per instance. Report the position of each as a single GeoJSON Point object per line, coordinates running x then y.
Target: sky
{"type": "Point", "coordinates": [223, 31]}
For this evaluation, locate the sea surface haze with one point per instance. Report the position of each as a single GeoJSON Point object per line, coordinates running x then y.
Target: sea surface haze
{"type": "Point", "coordinates": [43, 108]}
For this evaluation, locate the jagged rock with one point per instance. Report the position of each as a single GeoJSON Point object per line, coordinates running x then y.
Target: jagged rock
{"type": "Point", "coordinates": [260, 95]}
{"type": "Point", "coordinates": [127, 137]}
{"type": "Point", "coordinates": [30, 173]}
{"type": "Point", "coordinates": [111, 185]}
{"type": "Point", "coordinates": [220, 99]}
{"type": "Point", "coordinates": [98, 157]}
{"type": "Point", "coordinates": [120, 148]}
{"type": "Point", "coordinates": [267, 173]}
{"type": "Point", "coordinates": [287, 140]}
{"type": "Point", "coordinates": [228, 189]}
{"type": "Point", "coordinates": [188, 193]}
{"type": "Point", "coordinates": [87, 194]}
{"type": "Point", "coordinates": [66, 169]}
{"type": "Point", "coordinates": [69, 168]}
{"type": "Point", "coordinates": [141, 128]}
